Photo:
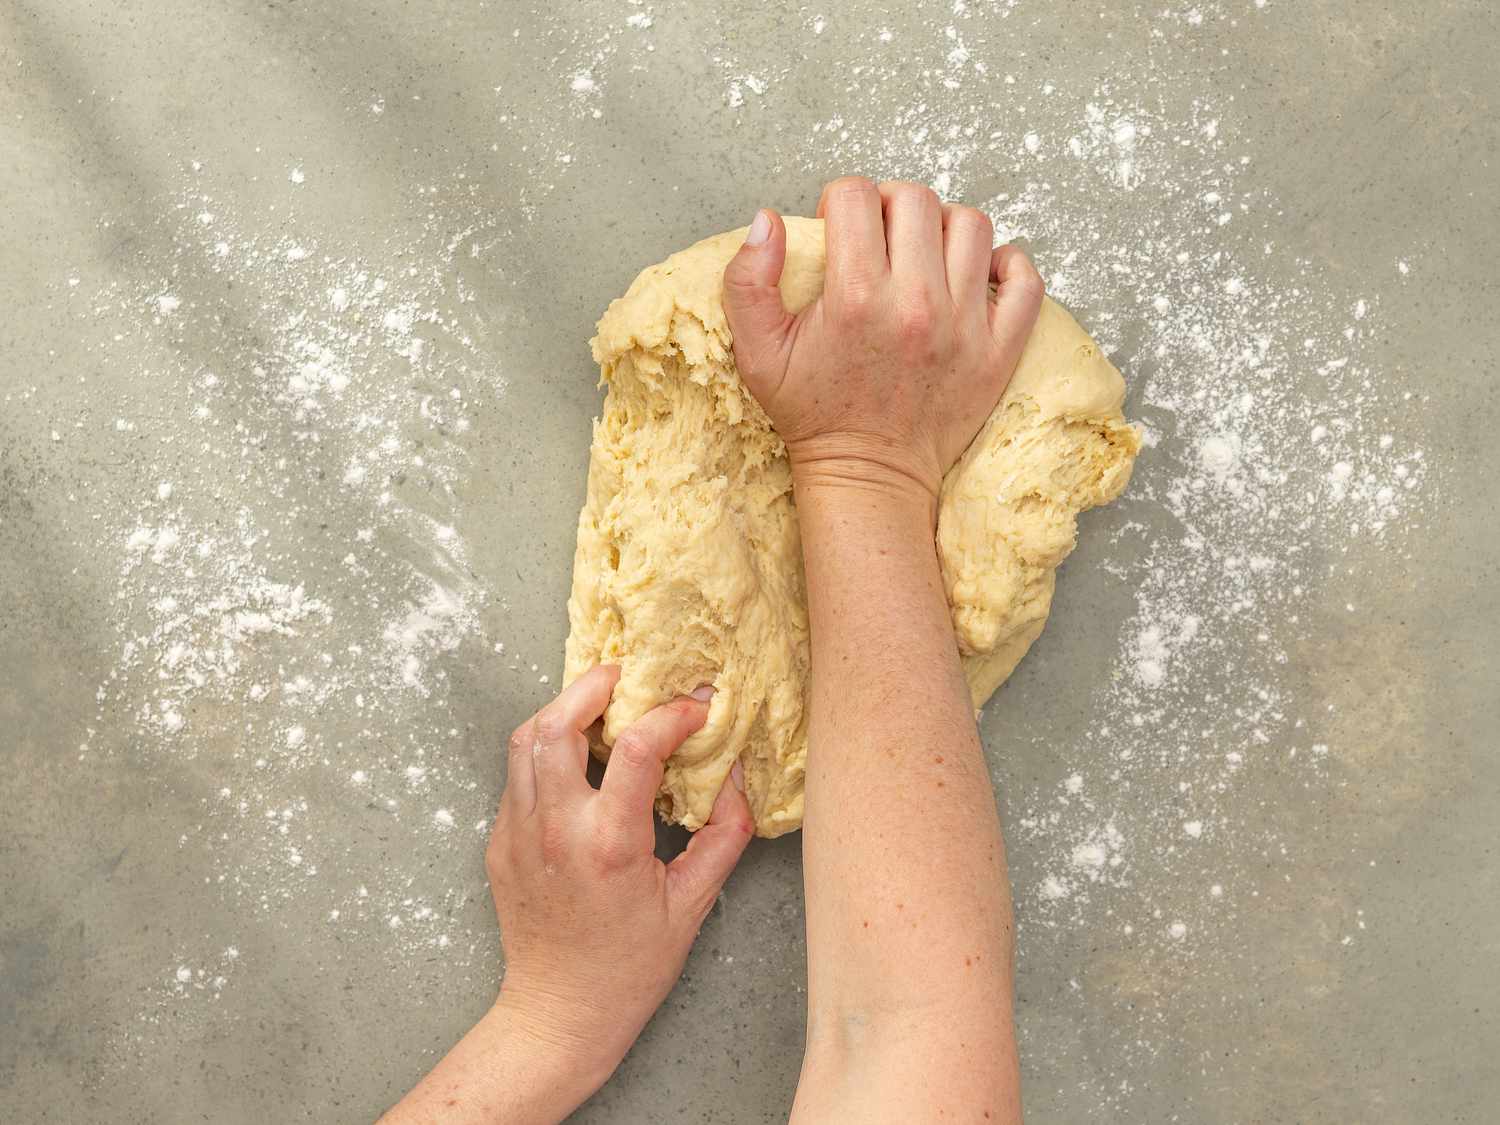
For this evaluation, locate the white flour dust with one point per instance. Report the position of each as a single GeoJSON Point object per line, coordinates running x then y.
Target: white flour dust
{"type": "Point", "coordinates": [1272, 446]}
{"type": "Point", "coordinates": [293, 587]}
{"type": "Point", "coordinates": [294, 575]}
{"type": "Point", "coordinates": [1279, 467]}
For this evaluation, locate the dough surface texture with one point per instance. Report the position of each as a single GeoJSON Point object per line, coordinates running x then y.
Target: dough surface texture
{"type": "Point", "coordinates": [688, 568]}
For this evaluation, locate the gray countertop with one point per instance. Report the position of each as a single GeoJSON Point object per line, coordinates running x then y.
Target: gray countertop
{"type": "Point", "coordinates": [294, 414]}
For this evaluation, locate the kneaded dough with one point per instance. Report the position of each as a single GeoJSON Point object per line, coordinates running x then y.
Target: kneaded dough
{"type": "Point", "coordinates": [688, 568]}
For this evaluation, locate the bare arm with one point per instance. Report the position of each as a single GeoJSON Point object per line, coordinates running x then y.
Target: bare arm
{"type": "Point", "coordinates": [505, 1069]}
{"type": "Point", "coordinates": [909, 921]}
{"type": "Point", "coordinates": [877, 389]}
{"type": "Point", "coordinates": [595, 927]}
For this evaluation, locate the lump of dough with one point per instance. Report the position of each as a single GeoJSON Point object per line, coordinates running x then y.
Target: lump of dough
{"type": "Point", "coordinates": [688, 568]}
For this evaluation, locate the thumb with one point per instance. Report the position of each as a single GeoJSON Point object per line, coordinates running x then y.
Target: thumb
{"type": "Point", "coordinates": [695, 876]}
{"type": "Point", "coordinates": [758, 320]}
{"type": "Point", "coordinates": [1015, 305]}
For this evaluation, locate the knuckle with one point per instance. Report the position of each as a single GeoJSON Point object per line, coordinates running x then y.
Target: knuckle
{"type": "Point", "coordinates": [551, 727]}
{"type": "Point", "coordinates": [519, 741]}
{"type": "Point", "coordinates": [856, 301]}
{"type": "Point", "coordinates": [497, 859]}
{"type": "Point", "coordinates": [1018, 268]}
{"type": "Point", "coordinates": [553, 838]}
{"type": "Point", "coordinates": [1030, 280]}
{"type": "Point", "coordinates": [974, 219]}
{"type": "Point", "coordinates": [916, 317]}
{"type": "Point", "coordinates": [850, 188]}
{"type": "Point", "coordinates": [613, 848]}
{"type": "Point", "coordinates": [738, 279]}
{"type": "Point", "coordinates": [918, 196]}
{"type": "Point", "coordinates": [634, 751]}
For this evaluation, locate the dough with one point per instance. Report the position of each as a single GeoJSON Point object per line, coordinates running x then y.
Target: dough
{"type": "Point", "coordinates": [688, 568]}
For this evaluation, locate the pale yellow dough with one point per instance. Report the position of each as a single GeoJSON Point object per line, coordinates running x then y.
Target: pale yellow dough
{"type": "Point", "coordinates": [688, 568]}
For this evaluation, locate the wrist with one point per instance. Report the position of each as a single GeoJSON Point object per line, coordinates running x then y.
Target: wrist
{"type": "Point", "coordinates": [880, 460]}
{"type": "Point", "coordinates": [512, 1066]}
{"type": "Point", "coordinates": [567, 1064]}
{"type": "Point", "coordinates": [888, 482]}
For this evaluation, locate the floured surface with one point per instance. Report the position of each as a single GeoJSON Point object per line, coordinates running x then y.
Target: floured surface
{"type": "Point", "coordinates": [1246, 775]}
{"type": "Point", "coordinates": [689, 567]}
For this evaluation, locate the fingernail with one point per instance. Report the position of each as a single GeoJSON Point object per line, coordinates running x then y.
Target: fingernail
{"type": "Point", "coordinates": [737, 775]}
{"type": "Point", "coordinates": [760, 229]}
{"type": "Point", "coordinates": [703, 692]}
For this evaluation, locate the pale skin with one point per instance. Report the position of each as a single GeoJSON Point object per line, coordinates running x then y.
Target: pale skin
{"type": "Point", "coordinates": [877, 388]}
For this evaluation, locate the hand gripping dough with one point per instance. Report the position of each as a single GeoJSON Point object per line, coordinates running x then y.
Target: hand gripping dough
{"type": "Point", "coordinates": [688, 568]}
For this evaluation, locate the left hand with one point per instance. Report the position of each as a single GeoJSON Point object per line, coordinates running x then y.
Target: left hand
{"type": "Point", "coordinates": [596, 929]}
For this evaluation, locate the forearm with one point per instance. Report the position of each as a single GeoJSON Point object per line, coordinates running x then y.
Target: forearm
{"type": "Point", "coordinates": [909, 922]}
{"type": "Point", "coordinates": [503, 1070]}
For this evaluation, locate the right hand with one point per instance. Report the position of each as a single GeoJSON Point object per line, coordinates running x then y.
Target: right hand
{"type": "Point", "coordinates": [887, 377]}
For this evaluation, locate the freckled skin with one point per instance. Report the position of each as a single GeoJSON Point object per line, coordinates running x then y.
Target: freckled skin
{"type": "Point", "coordinates": [677, 590]}
{"type": "Point", "coordinates": [595, 927]}
{"type": "Point", "coordinates": [909, 1024]}
{"type": "Point", "coordinates": [876, 391]}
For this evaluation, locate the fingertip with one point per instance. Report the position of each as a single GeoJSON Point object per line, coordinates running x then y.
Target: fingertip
{"type": "Point", "coordinates": [579, 705]}
{"type": "Point", "coordinates": [609, 679]}
{"type": "Point", "coordinates": [758, 320]}
{"type": "Point", "coordinates": [732, 806]}
{"type": "Point", "coordinates": [760, 229]}
{"type": "Point", "coordinates": [1008, 262]}
{"type": "Point", "coordinates": [758, 261]}
{"type": "Point", "coordinates": [698, 874]}
{"type": "Point", "coordinates": [693, 710]}
{"type": "Point", "coordinates": [1019, 287]}
{"type": "Point", "coordinates": [600, 675]}
{"type": "Point", "coordinates": [1016, 305]}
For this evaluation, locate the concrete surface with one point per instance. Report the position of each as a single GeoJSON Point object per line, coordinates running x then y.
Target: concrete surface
{"type": "Point", "coordinates": [327, 272]}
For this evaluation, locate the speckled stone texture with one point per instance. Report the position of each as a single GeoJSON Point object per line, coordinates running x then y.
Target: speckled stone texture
{"type": "Point", "coordinates": [379, 392]}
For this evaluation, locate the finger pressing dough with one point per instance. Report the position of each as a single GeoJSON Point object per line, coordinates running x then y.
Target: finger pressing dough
{"type": "Point", "coordinates": [688, 568]}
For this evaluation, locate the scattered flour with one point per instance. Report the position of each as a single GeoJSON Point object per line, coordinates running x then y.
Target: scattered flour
{"type": "Point", "coordinates": [294, 575]}
{"type": "Point", "coordinates": [1276, 455]}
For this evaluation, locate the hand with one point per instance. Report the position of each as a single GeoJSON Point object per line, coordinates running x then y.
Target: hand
{"type": "Point", "coordinates": [887, 377]}
{"type": "Point", "coordinates": [596, 929]}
